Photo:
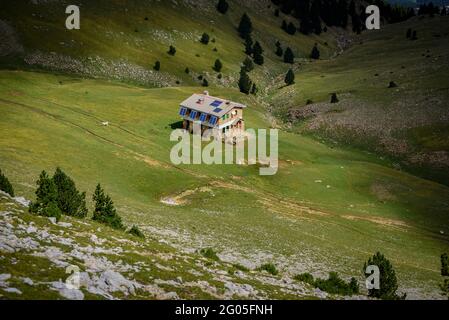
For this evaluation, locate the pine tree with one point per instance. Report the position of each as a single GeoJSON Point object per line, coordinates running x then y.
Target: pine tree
{"type": "Point", "coordinates": [388, 281]}
{"type": "Point", "coordinates": [172, 51]}
{"type": "Point", "coordinates": [257, 49]}
{"type": "Point", "coordinates": [334, 98]}
{"type": "Point", "coordinates": [5, 185]}
{"type": "Point", "coordinates": [315, 54]}
{"type": "Point", "coordinates": [245, 27]}
{"type": "Point", "coordinates": [289, 77]}
{"type": "Point", "coordinates": [204, 38]}
{"type": "Point", "coordinates": [46, 198]}
{"type": "Point", "coordinates": [291, 29]}
{"type": "Point", "coordinates": [70, 201]}
{"type": "Point", "coordinates": [279, 51]}
{"type": "Point", "coordinates": [354, 286]}
{"type": "Point", "coordinates": [205, 83]}
{"type": "Point", "coordinates": [254, 89]}
{"type": "Point", "coordinates": [218, 65]}
{"type": "Point", "coordinates": [248, 64]}
{"type": "Point", "coordinates": [157, 66]}
{"type": "Point", "coordinates": [244, 82]}
{"type": "Point", "coordinates": [259, 59]}
{"type": "Point", "coordinates": [187, 70]}
{"type": "Point", "coordinates": [289, 57]}
{"type": "Point", "coordinates": [104, 211]}
{"type": "Point", "coordinates": [257, 53]}
{"type": "Point", "coordinates": [248, 45]}
{"type": "Point", "coordinates": [222, 6]}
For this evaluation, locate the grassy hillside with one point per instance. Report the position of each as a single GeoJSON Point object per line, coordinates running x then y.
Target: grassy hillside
{"type": "Point", "coordinates": [407, 123]}
{"type": "Point", "coordinates": [306, 218]}
{"type": "Point", "coordinates": [328, 208]}
{"type": "Point", "coordinates": [134, 36]}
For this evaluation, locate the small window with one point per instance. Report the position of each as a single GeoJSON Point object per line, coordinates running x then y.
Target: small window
{"type": "Point", "coordinates": [193, 114]}
{"type": "Point", "coordinates": [203, 117]}
{"type": "Point", "coordinates": [182, 111]}
{"type": "Point", "coordinates": [213, 120]}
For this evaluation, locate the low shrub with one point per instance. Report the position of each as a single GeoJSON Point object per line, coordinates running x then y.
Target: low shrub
{"type": "Point", "coordinates": [240, 267]}
{"type": "Point", "coordinates": [209, 253]}
{"type": "Point", "coordinates": [270, 268]}
{"type": "Point", "coordinates": [333, 284]}
{"type": "Point", "coordinates": [135, 231]}
{"type": "Point", "coordinates": [305, 277]}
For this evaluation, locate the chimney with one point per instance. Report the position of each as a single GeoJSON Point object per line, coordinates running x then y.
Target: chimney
{"type": "Point", "coordinates": [206, 93]}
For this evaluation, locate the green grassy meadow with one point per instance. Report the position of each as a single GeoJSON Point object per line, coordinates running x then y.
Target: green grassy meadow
{"type": "Point", "coordinates": [328, 208]}
{"type": "Point", "coordinates": [362, 205]}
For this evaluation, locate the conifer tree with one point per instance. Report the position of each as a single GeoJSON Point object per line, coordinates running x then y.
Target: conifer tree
{"type": "Point", "coordinates": [245, 26]}
{"type": "Point", "coordinates": [46, 198]}
{"type": "Point", "coordinates": [157, 66]}
{"type": "Point", "coordinates": [104, 211]}
{"type": "Point", "coordinates": [388, 281]}
{"type": "Point", "coordinates": [289, 77]}
{"type": "Point", "coordinates": [291, 29]}
{"type": "Point", "coordinates": [259, 59]}
{"type": "Point", "coordinates": [315, 54]}
{"type": "Point", "coordinates": [222, 6]}
{"type": "Point", "coordinates": [70, 201]}
{"type": "Point", "coordinates": [244, 82]}
{"type": "Point", "coordinates": [205, 38]}
{"type": "Point", "coordinates": [289, 57]}
{"type": "Point", "coordinates": [172, 51]}
{"type": "Point", "coordinates": [334, 98]}
{"type": "Point", "coordinates": [205, 83]}
{"type": "Point", "coordinates": [257, 53]}
{"type": "Point", "coordinates": [248, 65]}
{"type": "Point", "coordinates": [254, 89]}
{"type": "Point", "coordinates": [248, 45]}
{"type": "Point", "coordinates": [279, 52]}
{"type": "Point", "coordinates": [218, 65]}
{"type": "Point", "coordinates": [257, 49]}
{"type": "Point", "coordinates": [5, 185]}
